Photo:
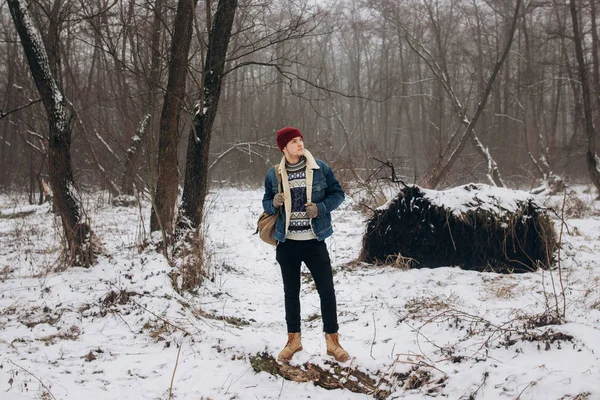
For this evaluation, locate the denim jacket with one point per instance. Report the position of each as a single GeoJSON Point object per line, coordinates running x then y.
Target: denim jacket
{"type": "Point", "coordinates": [322, 189]}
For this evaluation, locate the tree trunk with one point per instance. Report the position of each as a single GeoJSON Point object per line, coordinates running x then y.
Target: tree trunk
{"type": "Point", "coordinates": [196, 171]}
{"type": "Point", "coordinates": [595, 57]}
{"type": "Point", "coordinates": [146, 123]}
{"type": "Point", "coordinates": [590, 156]}
{"type": "Point", "coordinates": [167, 181]}
{"type": "Point", "coordinates": [52, 43]}
{"type": "Point", "coordinates": [82, 244]}
{"type": "Point", "coordinates": [5, 126]}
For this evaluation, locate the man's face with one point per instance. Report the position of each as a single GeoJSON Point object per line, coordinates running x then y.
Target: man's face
{"type": "Point", "coordinates": [295, 147]}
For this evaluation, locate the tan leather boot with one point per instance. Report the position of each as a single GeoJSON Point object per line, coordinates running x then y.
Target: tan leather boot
{"type": "Point", "coordinates": [292, 346]}
{"type": "Point", "coordinates": [335, 349]}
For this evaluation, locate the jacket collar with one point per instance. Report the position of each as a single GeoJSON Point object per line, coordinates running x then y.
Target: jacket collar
{"type": "Point", "coordinates": [311, 163]}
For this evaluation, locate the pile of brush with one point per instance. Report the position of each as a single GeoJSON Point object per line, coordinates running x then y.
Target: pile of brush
{"type": "Point", "coordinates": [476, 227]}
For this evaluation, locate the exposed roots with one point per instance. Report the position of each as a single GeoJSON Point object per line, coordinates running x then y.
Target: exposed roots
{"type": "Point", "coordinates": [413, 232]}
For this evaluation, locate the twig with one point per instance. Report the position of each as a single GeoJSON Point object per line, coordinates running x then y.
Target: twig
{"type": "Point", "coordinates": [524, 389]}
{"type": "Point", "coordinates": [38, 379]}
{"type": "Point", "coordinates": [348, 369]}
{"type": "Point", "coordinates": [174, 370]}
{"type": "Point", "coordinates": [386, 373]}
{"type": "Point", "coordinates": [454, 313]}
{"type": "Point", "coordinates": [450, 231]}
{"type": "Point", "coordinates": [118, 314]}
{"type": "Point", "coordinates": [159, 317]}
{"type": "Point", "coordinates": [474, 394]}
{"type": "Point", "coordinates": [242, 147]}
{"type": "Point", "coordinates": [423, 364]}
{"type": "Point", "coordinates": [4, 114]}
{"type": "Point", "coordinates": [394, 178]}
{"type": "Point", "coordinates": [374, 336]}
{"type": "Point", "coordinates": [281, 390]}
{"type": "Point", "coordinates": [562, 287]}
{"type": "Point", "coordinates": [234, 381]}
{"type": "Point", "coordinates": [154, 314]}
{"type": "Point", "coordinates": [367, 207]}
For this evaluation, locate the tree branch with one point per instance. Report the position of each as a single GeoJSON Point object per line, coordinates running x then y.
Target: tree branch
{"type": "Point", "coordinates": [4, 114]}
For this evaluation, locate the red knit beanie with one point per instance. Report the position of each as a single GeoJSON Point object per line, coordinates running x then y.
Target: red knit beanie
{"type": "Point", "coordinates": [286, 134]}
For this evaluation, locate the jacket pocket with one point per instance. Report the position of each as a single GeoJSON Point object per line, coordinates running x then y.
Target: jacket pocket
{"type": "Point", "coordinates": [318, 191]}
{"type": "Point", "coordinates": [319, 186]}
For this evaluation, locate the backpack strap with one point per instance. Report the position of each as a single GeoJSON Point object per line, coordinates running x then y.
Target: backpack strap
{"type": "Point", "coordinates": [278, 176]}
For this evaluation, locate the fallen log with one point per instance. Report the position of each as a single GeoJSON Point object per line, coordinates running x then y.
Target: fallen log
{"type": "Point", "coordinates": [335, 377]}
{"type": "Point", "coordinates": [16, 214]}
{"type": "Point", "coordinates": [476, 227]}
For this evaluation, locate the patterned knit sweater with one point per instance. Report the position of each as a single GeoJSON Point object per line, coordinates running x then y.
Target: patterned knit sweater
{"type": "Point", "coordinates": [300, 228]}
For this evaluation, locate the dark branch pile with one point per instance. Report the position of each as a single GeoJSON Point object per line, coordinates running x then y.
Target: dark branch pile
{"type": "Point", "coordinates": [485, 236]}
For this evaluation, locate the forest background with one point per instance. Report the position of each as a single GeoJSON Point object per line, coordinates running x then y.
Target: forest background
{"type": "Point", "coordinates": [161, 98]}
{"type": "Point", "coordinates": [151, 103]}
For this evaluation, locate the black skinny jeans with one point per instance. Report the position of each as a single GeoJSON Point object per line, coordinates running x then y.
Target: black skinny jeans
{"type": "Point", "coordinates": [290, 255]}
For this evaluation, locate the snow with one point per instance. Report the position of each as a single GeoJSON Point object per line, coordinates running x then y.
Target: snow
{"type": "Point", "coordinates": [142, 126]}
{"type": "Point", "coordinates": [476, 196]}
{"type": "Point", "coordinates": [488, 198]}
{"type": "Point", "coordinates": [72, 330]}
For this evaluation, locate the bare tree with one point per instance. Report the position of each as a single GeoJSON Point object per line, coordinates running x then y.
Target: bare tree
{"type": "Point", "coordinates": [167, 183]}
{"type": "Point", "coordinates": [146, 122]}
{"type": "Point", "coordinates": [439, 170]}
{"type": "Point", "coordinates": [316, 68]}
{"type": "Point", "coordinates": [196, 170]}
{"type": "Point", "coordinates": [592, 161]}
{"type": "Point", "coordinates": [82, 243]}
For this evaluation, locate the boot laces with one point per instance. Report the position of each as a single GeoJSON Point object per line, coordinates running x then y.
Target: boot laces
{"type": "Point", "coordinates": [335, 339]}
{"type": "Point", "coordinates": [290, 340]}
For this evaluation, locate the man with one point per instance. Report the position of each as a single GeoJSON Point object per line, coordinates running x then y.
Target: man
{"type": "Point", "coordinates": [310, 192]}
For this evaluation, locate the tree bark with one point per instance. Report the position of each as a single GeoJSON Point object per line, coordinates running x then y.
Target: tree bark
{"type": "Point", "coordinates": [82, 243]}
{"type": "Point", "coordinates": [167, 181]}
{"type": "Point", "coordinates": [333, 377]}
{"type": "Point", "coordinates": [591, 158]}
{"type": "Point", "coordinates": [52, 43]}
{"type": "Point", "coordinates": [196, 171]}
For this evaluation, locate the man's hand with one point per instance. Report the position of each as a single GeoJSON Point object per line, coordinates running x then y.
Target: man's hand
{"type": "Point", "coordinates": [312, 211]}
{"type": "Point", "coordinates": [278, 200]}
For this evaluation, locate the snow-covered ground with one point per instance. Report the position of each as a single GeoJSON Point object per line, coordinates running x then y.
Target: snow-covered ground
{"type": "Point", "coordinates": [120, 331]}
